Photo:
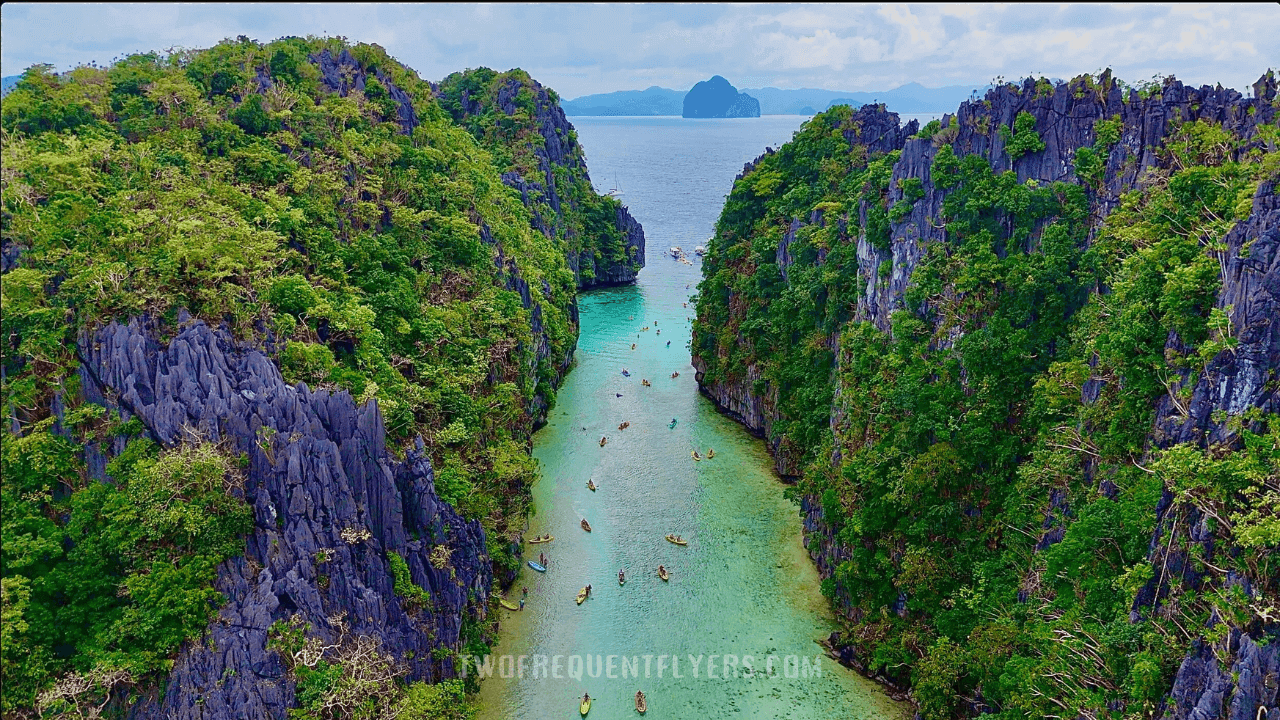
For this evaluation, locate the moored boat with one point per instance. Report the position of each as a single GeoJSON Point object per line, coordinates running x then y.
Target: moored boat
{"type": "Point", "coordinates": [540, 540]}
{"type": "Point", "coordinates": [508, 605]}
{"type": "Point", "coordinates": [537, 567]}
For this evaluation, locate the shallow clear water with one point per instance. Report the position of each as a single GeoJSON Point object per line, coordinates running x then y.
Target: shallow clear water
{"type": "Point", "coordinates": [743, 586]}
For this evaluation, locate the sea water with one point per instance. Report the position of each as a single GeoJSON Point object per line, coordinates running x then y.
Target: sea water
{"type": "Point", "coordinates": [734, 632]}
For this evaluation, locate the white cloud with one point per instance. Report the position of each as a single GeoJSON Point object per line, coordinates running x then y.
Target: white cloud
{"type": "Point", "coordinates": [580, 49]}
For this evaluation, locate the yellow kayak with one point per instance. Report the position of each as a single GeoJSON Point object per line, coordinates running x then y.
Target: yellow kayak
{"type": "Point", "coordinates": [536, 541]}
{"type": "Point", "coordinates": [641, 705]}
{"type": "Point", "coordinates": [591, 486]}
{"type": "Point", "coordinates": [584, 707]}
{"type": "Point", "coordinates": [672, 538]}
{"type": "Point", "coordinates": [582, 595]}
{"type": "Point", "coordinates": [663, 574]}
{"type": "Point", "coordinates": [508, 605]}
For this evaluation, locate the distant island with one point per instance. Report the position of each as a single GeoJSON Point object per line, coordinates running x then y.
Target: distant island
{"type": "Point", "coordinates": [716, 98]}
{"type": "Point", "coordinates": [909, 98]}
{"type": "Point", "coordinates": [653, 101]}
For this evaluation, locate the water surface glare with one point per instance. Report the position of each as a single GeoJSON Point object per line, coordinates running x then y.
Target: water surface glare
{"type": "Point", "coordinates": [743, 585]}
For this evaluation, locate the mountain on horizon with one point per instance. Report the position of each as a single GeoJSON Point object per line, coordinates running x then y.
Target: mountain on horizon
{"type": "Point", "coordinates": [650, 101]}
{"type": "Point", "coordinates": [910, 98]}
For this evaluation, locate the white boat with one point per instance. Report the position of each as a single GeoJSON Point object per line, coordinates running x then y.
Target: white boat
{"type": "Point", "coordinates": [699, 251]}
{"type": "Point", "coordinates": [676, 252]}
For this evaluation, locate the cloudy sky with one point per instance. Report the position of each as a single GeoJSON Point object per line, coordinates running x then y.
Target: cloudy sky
{"type": "Point", "coordinates": [582, 49]}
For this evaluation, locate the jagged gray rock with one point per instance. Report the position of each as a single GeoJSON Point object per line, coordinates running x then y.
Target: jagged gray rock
{"type": "Point", "coordinates": [342, 74]}
{"type": "Point", "coordinates": [318, 469]}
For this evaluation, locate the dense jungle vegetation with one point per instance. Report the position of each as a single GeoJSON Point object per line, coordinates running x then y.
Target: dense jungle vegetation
{"type": "Point", "coordinates": [960, 426]}
{"type": "Point", "coordinates": [509, 113]}
{"type": "Point", "coordinates": [350, 233]}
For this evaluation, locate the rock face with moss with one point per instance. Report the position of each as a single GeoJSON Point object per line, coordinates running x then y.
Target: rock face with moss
{"type": "Point", "coordinates": [330, 507]}
{"type": "Point", "coordinates": [278, 336]}
{"type": "Point", "coordinates": [522, 123]}
{"type": "Point", "coordinates": [1021, 364]}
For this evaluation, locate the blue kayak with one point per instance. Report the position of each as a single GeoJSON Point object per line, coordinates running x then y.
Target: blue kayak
{"type": "Point", "coordinates": [536, 566]}
{"type": "Point", "coordinates": [624, 372]}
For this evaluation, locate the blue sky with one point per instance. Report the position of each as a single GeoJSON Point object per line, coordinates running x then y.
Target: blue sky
{"type": "Point", "coordinates": [582, 49]}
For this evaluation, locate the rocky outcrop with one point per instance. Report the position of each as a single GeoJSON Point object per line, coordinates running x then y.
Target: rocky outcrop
{"type": "Point", "coordinates": [716, 98]}
{"type": "Point", "coordinates": [1238, 380]}
{"type": "Point", "coordinates": [1244, 689]}
{"type": "Point", "coordinates": [756, 412]}
{"type": "Point", "coordinates": [596, 272]}
{"type": "Point", "coordinates": [342, 74]}
{"type": "Point", "coordinates": [329, 502]}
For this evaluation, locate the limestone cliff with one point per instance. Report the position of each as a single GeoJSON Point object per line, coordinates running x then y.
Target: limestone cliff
{"type": "Point", "coordinates": [546, 165]}
{"type": "Point", "coordinates": [901, 223]}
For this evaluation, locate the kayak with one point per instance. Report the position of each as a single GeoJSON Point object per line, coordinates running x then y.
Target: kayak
{"type": "Point", "coordinates": [694, 454]}
{"type": "Point", "coordinates": [586, 525]}
{"type": "Point", "coordinates": [641, 705]}
{"type": "Point", "coordinates": [584, 707]}
{"type": "Point", "coordinates": [711, 454]}
{"type": "Point", "coordinates": [508, 605]}
{"type": "Point", "coordinates": [672, 425]}
{"type": "Point", "coordinates": [536, 541]}
{"type": "Point", "coordinates": [582, 595]}
{"type": "Point", "coordinates": [622, 580]}
{"type": "Point", "coordinates": [591, 486]}
{"type": "Point", "coordinates": [664, 575]}
{"type": "Point", "coordinates": [537, 567]}
{"type": "Point", "coordinates": [672, 538]}
{"type": "Point", "coordinates": [627, 374]}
